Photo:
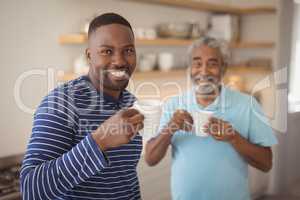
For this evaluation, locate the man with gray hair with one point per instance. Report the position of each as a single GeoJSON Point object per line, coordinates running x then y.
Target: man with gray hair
{"type": "Point", "coordinates": [213, 167]}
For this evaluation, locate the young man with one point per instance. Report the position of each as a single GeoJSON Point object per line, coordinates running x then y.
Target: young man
{"type": "Point", "coordinates": [84, 142]}
{"type": "Point", "coordinates": [213, 167]}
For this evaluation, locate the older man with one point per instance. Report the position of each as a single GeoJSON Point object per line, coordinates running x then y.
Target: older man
{"type": "Point", "coordinates": [213, 167]}
{"type": "Point", "coordinates": [84, 142]}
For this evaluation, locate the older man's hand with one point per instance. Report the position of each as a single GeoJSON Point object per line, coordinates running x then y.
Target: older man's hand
{"type": "Point", "coordinates": [181, 120]}
{"type": "Point", "coordinates": [220, 130]}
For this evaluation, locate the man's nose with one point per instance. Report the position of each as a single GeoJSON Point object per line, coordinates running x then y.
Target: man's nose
{"type": "Point", "coordinates": [118, 59]}
{"type": "Point", "coordinates": [204, 69]}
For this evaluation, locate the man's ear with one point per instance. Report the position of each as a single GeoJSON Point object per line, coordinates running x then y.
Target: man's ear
{"type": "Point", "coordinates": [224, 67]}
{"type": "Point", "coordinates": [88, 55]}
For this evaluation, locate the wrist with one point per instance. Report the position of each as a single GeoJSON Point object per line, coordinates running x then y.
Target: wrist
{"type": "Point", "coordinates": [100, 140]}
{"type": "Point", "coordinates": [235, 138]}
{"type": "Point", "coordinates": [172, 127]}
{"type": "Point", "coordinates": [166, 135]}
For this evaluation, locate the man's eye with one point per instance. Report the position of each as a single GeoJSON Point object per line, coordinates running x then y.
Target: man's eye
{"type": "Point", "coordinates": [106, 51]}
{"type": "Point", "coordinates": [213, 64]}
{"type": "Point", "coordinates": [197, 64]}
{"type": "Point", "coordinates": [129, 51]}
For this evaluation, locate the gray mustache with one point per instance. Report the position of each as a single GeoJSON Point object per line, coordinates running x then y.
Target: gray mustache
{"type": "Point", "coordinates": [205, 78]}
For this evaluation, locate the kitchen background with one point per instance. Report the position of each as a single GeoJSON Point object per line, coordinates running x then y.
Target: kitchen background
{"type": "Point", "coordinates": [45, 39]}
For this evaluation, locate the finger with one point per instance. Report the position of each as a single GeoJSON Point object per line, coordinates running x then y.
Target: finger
{"type": "Point", "coordinates": [187, 126]}
{"type": "Point", "coordinates": [182, 116]}
{"type": "Point", "coordinates": [219, 138]}
{"type": "Point", "coordinates": [214, 128]}
{"type": "Point", "coordinates": [229, 131]}
{"type": "Point", "coordinates": [130, 112]}
{"type": "Point", "coordinates": [178, 120]}
{"type": "Point", "coordinates": [139, 127]}
{"type": "Point", "coordinates": [138, 118]}
{"type": "Point", "coordinates": [135, 130]}
{"type": "Point", "coordinates": [132, 136]}
{"type": "Point", "coordinates": [180, 111]}
{"type": "Point", "coordinates": [189, 118]}
{"type": "Point", "coordinates": [206, 129]}
{"type": "Point", "coordinates": [213, 120]}
{"type": "Point", "coordinates": [135, 127]}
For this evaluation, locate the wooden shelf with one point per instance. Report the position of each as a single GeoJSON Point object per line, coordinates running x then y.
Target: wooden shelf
{"type": "Point", "coordinates": [75, 38]}
{"type": "Point", "coordinates": [81, 39]}
{"type": "Point", "coordinates": [252, 45]}
{"type": "Point", "coordinates": [182, 42]}
{"type": "Point", "coordinates": [174, 74]}
{"type": "Point", "coordinates": [213, 7]}
{"type": "Point", "coordinates": [163, 42]}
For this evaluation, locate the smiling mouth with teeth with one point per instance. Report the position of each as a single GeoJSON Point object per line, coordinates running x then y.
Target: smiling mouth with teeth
{"type": "Point", "coordinates": [120, 74]}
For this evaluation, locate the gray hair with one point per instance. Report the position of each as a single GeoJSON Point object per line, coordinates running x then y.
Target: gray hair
{"type": "Point", "coordinates": [213, 43]}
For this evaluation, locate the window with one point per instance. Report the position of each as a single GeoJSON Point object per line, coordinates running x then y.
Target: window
{"type": "Point", "coordinates": [294, 73]}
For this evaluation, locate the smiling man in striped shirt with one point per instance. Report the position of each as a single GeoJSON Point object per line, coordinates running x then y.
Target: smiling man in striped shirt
{"type": "Point", "coordinates": [85, 142]}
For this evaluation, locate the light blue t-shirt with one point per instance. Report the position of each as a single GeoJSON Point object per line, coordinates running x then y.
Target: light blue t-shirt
{"type": "Point", "coordinates": [206, 169]}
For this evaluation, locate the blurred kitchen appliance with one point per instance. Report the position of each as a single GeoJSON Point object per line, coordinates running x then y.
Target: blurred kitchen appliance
{"type": "Point", "coordinates": [9, 177]}
{"type": "Point", "coordinates": [174, 30]}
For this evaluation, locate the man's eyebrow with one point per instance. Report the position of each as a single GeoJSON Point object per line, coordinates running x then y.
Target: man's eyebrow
{"type": "Point", "coordinates": [196, 58]}
{"type": "Point", "coordinates": [213, 59]}
{"type": "Point", "coordinates": [104, 45]}
{"type": "Point", "coordinates": [129, 45]}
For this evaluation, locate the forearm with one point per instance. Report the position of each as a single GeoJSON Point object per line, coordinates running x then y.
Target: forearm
{"type": "Point", "coordinates": [51, 179]}
{"type": "Point", "coordinates": [257, 156]}
{"type": "Point", "coordinates": [157, 147]}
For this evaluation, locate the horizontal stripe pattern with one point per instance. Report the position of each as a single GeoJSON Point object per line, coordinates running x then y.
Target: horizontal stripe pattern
{"type": "Point", "coordinates": [62, 159]}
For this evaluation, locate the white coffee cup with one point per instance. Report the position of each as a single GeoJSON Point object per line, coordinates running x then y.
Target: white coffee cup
{"type": "Point", "coordinates": [200, 119]}
{"type": "Point", "coordinates": [151, 109]}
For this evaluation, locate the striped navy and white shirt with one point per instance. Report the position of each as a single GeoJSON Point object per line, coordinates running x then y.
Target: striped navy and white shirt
{"type": "Point", "coordinates": [64, 162]}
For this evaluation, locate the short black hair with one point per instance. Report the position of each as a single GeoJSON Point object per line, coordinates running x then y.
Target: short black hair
{"type": "Point", "coordinates": [106, 19]}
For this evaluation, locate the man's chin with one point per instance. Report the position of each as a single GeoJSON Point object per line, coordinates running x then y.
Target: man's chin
{"type": "Point", "coordinates": [118, 86]}
{"type": "Point", "coordinates": [206, 89]}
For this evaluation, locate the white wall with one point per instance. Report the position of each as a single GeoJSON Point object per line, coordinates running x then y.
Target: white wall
{"type": "Point", "coordinates": [294, 92]}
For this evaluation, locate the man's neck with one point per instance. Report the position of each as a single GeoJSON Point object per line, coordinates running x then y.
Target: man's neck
{"type": "Point", "coordinates": [113, 93]}
{"type": "Point", "coordinates": [206, 100]}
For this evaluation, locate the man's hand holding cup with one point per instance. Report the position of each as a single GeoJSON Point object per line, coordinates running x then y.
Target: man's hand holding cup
{"type": "Point", "coordinates": [119, 129]}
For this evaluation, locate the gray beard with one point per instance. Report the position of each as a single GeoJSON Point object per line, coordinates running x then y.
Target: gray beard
{"type": "Point", "coordinates": [206, 88]}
